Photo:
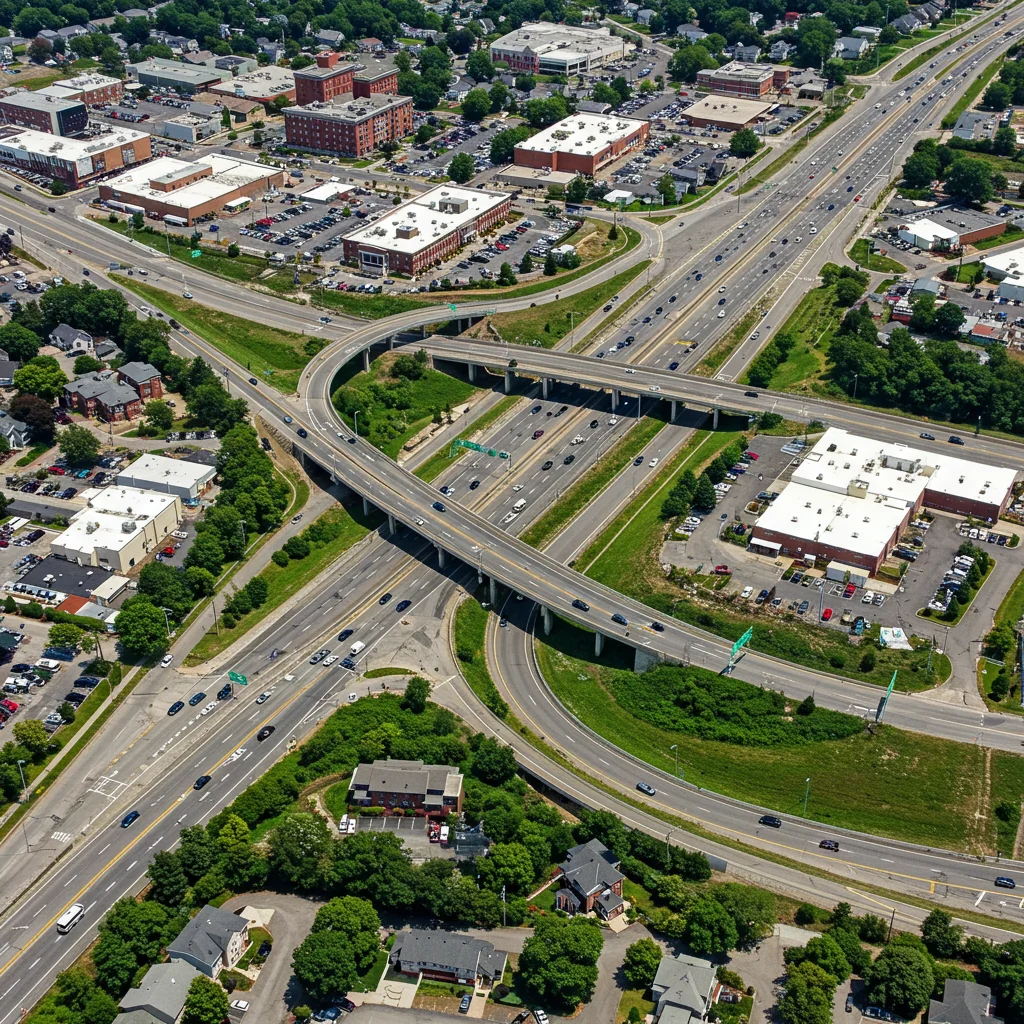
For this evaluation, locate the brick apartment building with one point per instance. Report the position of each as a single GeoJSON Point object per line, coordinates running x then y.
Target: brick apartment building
{"type": "Point", "coordinates": [590, 881]}
{"type": "Point", "coordinates": [90, 88]}
{"type": "Point", "coordinates": [331, 79]}
{"type": "Point", "coordinates": [582, 143]}
{"type": "Point", "coordinates": [102, 396]}
{"type": "Point", "coordinates": [747, 81]}
{"type": "Point", "coordinates": [145, 379]}
{"type": "Point", "coordinates": [348, 126]}
{"type": "Point", "coordinates": [407, 785]}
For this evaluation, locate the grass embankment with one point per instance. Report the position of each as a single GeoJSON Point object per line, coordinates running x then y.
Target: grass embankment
{"type": "Point", "coordinates": [859, 782]}
{"type": "Point", "coordinates": [589, 486]}
{"type": "Point", "coordinates": [469, 632]}
{"type": "Point", "coordinates": [1008, 614]}
{"type": "Point", "coordinates": [285, 582]}
{"type": "Point", "coordinates": [549, 322]}
{"type": "Point", "coordinates": [277, 356]}
{"type": "Point", "coordinates": [626, 556]}
{"type": "Point", "coordinates": [972, 92]}
{"type": "Point", "coordinates": [1007, 787]}
{"type": "Point", "coordinates": [863, 255]}
{"type": "Point", "coordinates": [436, 464]}
{"type": "Point", "coordinates": [724, 348]}
{"type": "Point", "coordinates": [393, 409]}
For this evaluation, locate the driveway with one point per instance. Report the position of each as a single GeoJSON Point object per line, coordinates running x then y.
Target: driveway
{"type": "Point", "coordinates": [276, 990]}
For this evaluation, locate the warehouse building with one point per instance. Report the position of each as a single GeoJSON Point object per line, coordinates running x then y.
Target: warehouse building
{"type": "Point", "coordinates": [730, 113]}
{"type": "Point", "coordinates": [348, 127]}
{"type": "Point", "coordinates": [263, 86]}
{"type": "Point", "coordinates": [582, 143]}
{"type": "Point", "coordinates": [76, 162]}
{"type": "Point", "coordinates": [168, 476]}
{"type": "Point", "coordinates": [851, 498]}
{"type": "Point", "coordinates": [332, 77]}
{"type": "Point", "coordinates": [551, 49]}
{"type": "Point", "coordinates": [51, 114]}
{"type": "Point", "coordinates": [1002, 265]}
{"type": "Point", "coordinates": [119, 527]}
{"type": "Point", "coordinates": [950, 227]}
{"type": "Point", "coordinates": [186, 79]}
{"type": "Point", "coordinates": [188, 190]}
{"type": "Point", "coordinates": [748, 81]}
{"type": "Point", "coordinates": [426, 230]}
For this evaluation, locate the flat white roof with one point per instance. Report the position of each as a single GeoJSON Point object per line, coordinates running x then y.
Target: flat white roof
{"type": "Point", "coordinates": [324, 193]}
{"type": "Point", "coordinates": [157, 471]}
{"type": "Point", "coordinates": [925, 228]}
{"type": "Point", "coordinates": [228, 175]}
{"type": "Point", "coordinates": [1011, 262]}
{"type": "Point", "coordinates": [268, 81]}
{"type": "Point", "coordinates": [102, 523]}
{"type": "Point", "coordinates": [88, 80]}
{"type": "Point", "coordinates": [547, 39]}
{"type": "Point", "coordinates": [728, 108]}
{"type": "Point", "coordinates": [422, 221]}
{"type": "Point", "coordinates": [25, 140]}
{"type": "Point", "coordinates": [584, 134]}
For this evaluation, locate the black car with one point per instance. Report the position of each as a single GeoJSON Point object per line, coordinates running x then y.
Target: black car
{"type": "Point", "coordinates": [1006, 883]}
{"type": "Point", "coordinates": [593, 424]}
{"type": "Point", "coordinates": [264, 951]}
{"type": "Point", "coordinates": [568, 460]}
{"type": "Point", "coordinates": [129, 818]}
{"type": "Point", "coordinates": [302, 432]}
{"type": "Point", "coordinates": [535, 410]}
{"type": "Point", "coordinates": [344, 1004]}
{"type": "Point", "coordinates": [474, 485]}
{"type": "Point", "coordinates": [953, 439]}
{"type": "Point", "coordinates": [438, 506]}
{"type": "Point", "coordinates": [345, 634]}
{"type": "Point", "coordinates": [402, 605]}
{"type": "Point", "coordinates": [385, 598]}
{"type": "Point", "coordinates": [175, 707]}
{"type": "Point", "coordinates": [646, 787]}
{"type": "Point", "coordinates": [87, 682]}
{"type": "Point", "coordinates": [630, 338]}
{"type": "Point", "coordinates": [657, 627]}
{"type": "Point", "coordinates": [195, 699]}
{"type": "Point", "coordinates": [266, 731]}
{"type": "Point", "coordinates": [254, 381]}
{"type": "Point", "coordinates": [771, 820]}
{"type": "Point", "coordinates": [925, 436]}
{"type": "Point", "coordinates": [829, 844]}
{"type": "Point", "coordinates": [674, 365]}
{"type": "Point", "coordinates": [201, 781]}
{"type": "Point", "coordinates": [74, 697]}
{"type": "Point", "coordinates": [522, 1016]}
{"type": "Point", "coordinates": [547, 465]}
{"type": "Point", "coordinates": [348, 663]}
{"type": "Point", "coordinates": [224, 692]}
{"type": "Point", "coordinates": [750, 394]}
{"type": "Point", "coordinates": [582, 605]}
{"type": "Point", "coordinates": [620, 619]}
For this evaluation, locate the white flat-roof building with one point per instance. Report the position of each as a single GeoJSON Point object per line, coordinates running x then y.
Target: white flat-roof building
{"type": "Point", "coordinates": [1005, 264]}
{"type": "Point", "coordinates": [168, 476]}
{"type": "Point", "coordinates": [851, 497]}
{"type": "Point", "coordinates": [263, 86]}
{"type": "Point", "coordinates": [425, 230]}
{"type": "Point", "coordinates": [119, 527]}
{"type": "Point", "coordinates": [582, 143]}
{"type": "Point", "coordinates": [559, 49]}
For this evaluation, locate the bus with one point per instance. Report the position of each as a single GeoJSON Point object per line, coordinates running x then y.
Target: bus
{"type": "Point", "coordinates": [70, 918]}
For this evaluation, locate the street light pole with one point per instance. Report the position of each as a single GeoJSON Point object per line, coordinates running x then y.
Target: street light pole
{"type": "Point", "coordinates": [24, 790]}
{"type": "Point", "coordinates": [355, 417]}
{"type": "Point", "coordinates": [856, 377]}
{"type": "Point", "coordinates": [167, 622]}
{"type": "Point", "coordinates": [675, 747]}
{"type": "Point", "coordinates": [807, 793]}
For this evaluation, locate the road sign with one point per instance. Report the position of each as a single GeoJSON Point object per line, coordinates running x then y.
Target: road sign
{"type": "Point", "coordinates": [742, 642]}
{"type": "Point", "coordinates": [237, 677]}
{"type": "Point", "coordinates": [471, 446]}
{"type": "Point", "coordinates": [885, 700]}
{"type": "Point", "coordinates": [453, 307]}
{"type": "Point", "coordinates": [489, 312]}
{"type": "Point", "coordinates": [196, 253]}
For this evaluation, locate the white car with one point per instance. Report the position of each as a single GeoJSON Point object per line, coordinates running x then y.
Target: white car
{"type": "Point", "coordinates": [241, 1005]}
{"type": "Point", "coordinates": [721, 314]}
{"type": "Point", "coordinates": [869, 596]}
{"type": "Point", "coordinates": [653, 462]}
{"type": "Point", "coordinates": [212, 706]}
{"type": "Point", "coordinates": [330, 660]}
{"type": "Point", "coordinates": [264, 696]}
{"type": "Point", "coordinates": [166, 660]}
{"type": "Point", "coordinates": [747, 591]}
{"type": "Point", "coordinates": [630, 371]}
{"type": "Point", "coordinates": [186, 295]}
{"type": "Point", "coordinates": [653, 387]}
{"type": "Point", "coordinates": [722, 289]}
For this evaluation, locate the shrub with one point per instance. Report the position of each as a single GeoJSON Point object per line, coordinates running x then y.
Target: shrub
{"type": "Point", "coordinates": [867, 661]}
{"type": "Point", "coordinates": [280, 558]}
{"type": "Point", "coordinates": [837, 660]}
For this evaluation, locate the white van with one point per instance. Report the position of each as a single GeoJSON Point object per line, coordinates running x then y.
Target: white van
{"type": "Point", "coordinates": [343, 824]}
{"type": "Point", "coordinates": [356, 648]}
{"type": "Point", "coordinates": [50, 664]}
{"type": "Point", "coordinates": [70, 918]}
{"type": "Point", "coordinates": [444, 833]}
{"type": "Point", "coordinates": [519, 506]}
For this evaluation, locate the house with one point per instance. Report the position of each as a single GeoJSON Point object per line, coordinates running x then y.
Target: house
{"type": "Point", "coordinates": [691, 32]}
{"type": "Point", "coordinates": [213, 940]}
{"type": "Point", "coordinates": [72, 31]}
{"type": "Point", "coordinates": [271, 48]}
{"type": "Point", "coordinates": [869, 32]}
{"type": "Point", "coordinates": [100, 24]}
{"type": "Point", "coordinates": [330, 37]}
{"type": "Point", "coordinates": [963, 1002]}
{"type": "Point", "coordinates": [447, 956]}
{"type": "Point", "coordinates": [403, 785]}
{"type": "Point", "coordinates": [7, 368]}
{"type": "Point", "coordinates": [748, 54]}
{"type": "Point", "coordinates": [684, 989]}
{"type": "Point", "coordinates": [135, 12]}
{"type": "Point", "coordinates": [49, 34]}
{"type": "Point", "coordinates": [370, 44]}
{"type": "Point", "coordinates": [107, 350]}
{"type": "Point", "coordinates": [487, 25]}
{"type": "Point", "coordinates": [850, 47]}
{"type": "Point", "coordinates": [102, 395]}
{"type": "Point", "coordinates": [160, 996]}
{"type": "Point", "coordinates": [695, 176]}
{"type": "Point", "coordinates": [590, 881]}
{"type": "Point", "coordinates": [144, 378]}
{"type": "Point", "coordinates": [71, 339]}
{"type": "Point", "coordinates": [932, 11]}
{"type": "Point", "coordinates": [644, 16]}
{"type": "Point", "coordinates": [204, 57]}
{"type": "Point", "coordinates": [906, 24]}
{"type": "Point", "coordinates": [18, 434]}
{"type": "Point", "coordinates": [780, 50]}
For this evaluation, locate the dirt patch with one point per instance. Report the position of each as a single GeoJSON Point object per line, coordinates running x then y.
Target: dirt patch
{"type": "Point", "coordinates": [591, 246]}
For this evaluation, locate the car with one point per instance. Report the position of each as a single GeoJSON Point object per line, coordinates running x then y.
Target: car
{"type": "Point", "coordinates": [345, 1004]}
{"type": "Point", "coordinates": [925, 436]}
{"type": "Point", "coordinates": [402, 605]}
{"type": "Point", "coordinates": [581, 605]}
{"type": "Point", "coordinates": [770, 820]}
{"type": "Point", "coordinates": [175, 707]}
{"type": "Point", "coordinates": [568, 460]}
{"type": "Point", "coordinates": [722, 570]}
{"type": "Point", "coordinates": [196, 698]}
{"type": "Point", "coordinates": [657, 627]}
{"type": "Point", "coordinates": [241, 1005]}
{"type": "Point", "coordinates": [224, 692]}
{"type": "Point", "coordinates": [166, 660]}
{"type": "Point", "coordinates": [521, 1017]}
{"type": "Point", "coordinates": [674, 365]}
{"type": "Point", "coordinates": [761, 597]}
{"type": "Point", "coordinates": [167, 552]}
{"type": "Point", "coordinates": [537, 434]}
{"type": "Point", "coordinates": [345, 634]}
{"type": "Point", "coordinates": [266, 731]}
{"type": "Point", "coordinates": [593, 424]}
{"type": "Point", "coordinates": [325, 319]}
{"type": "Point", "coordinates": [302, 432]}
{"type": "Point", "coordinates": [547, 465]}
{"type": "Point", "coordinates": [186, 295]}
{"type": "Point", "coordinates": [201, 781]}
{"type": "Point", "coordinates": [750, 394]}
{"type": "Point", "coordinates": [1004, 882]}
{"type": "Point", "coordinates": [849, 591]}
{"type": "Point", "coordinates": [464, 1005]}
{"type": "Point", "coordinates": [385, 598]}
{"type": "Point", "coordinates": [829, 844]}
{"type": "Point", "coordinates": [318, 657]}
{"type": "Point", "coordinates": [620, 619]}
{"type": "Point", "coordinates": [803, 608]}
{"type": "Point", "coordinates": [474, 484]}
{"type": "Point", "coordinates": [953, 439]}
{"type": "Point", "coordinates": [540, 1017]}
{"type": "Point", "coordinates": [646, 787]}
{"type": "Point", "coordinates": [826, 614]}
{"type": "Point", "coordinates": [849, 1003]}
{"type": "Point", "coordinates": [129, 818]}
{"type": "Point", "coordinates": [638, 461]}
{"type": "Point", "coordinates": [437, 506]}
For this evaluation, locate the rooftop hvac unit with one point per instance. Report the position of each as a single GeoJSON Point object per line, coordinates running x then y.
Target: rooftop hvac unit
{"type": "Point", "coordinates": [91, 527]}
{"type": "Point", "coordinates": [128, 526]}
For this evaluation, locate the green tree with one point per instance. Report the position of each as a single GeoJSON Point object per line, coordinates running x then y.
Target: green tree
{"type": "Point", "coordinates": [834, 70]}
{"type": "Point", "coordinates": [506, 275]}
{"type": "Point", "coordinates": [197, 851]}
{"type": "Point", "coordinates": [141, 627]}
{"type": "Point", "coordinates": [558, 963]}
{"type": "Point", "coordinates": [943, 939]}
{"type": "Point", "coordinates": [526, 264]}
{"type": "Point", "coordinates": [42, 377]}
{"type": "Point", "coordinates": [901, 979]}
{"type": "Point", "coordinates": [356, 919]}
{"type": "Point", "coordinates": [63, 634]}
{"type": "Point", "coordinates": [998, 96]}
{"type": "Point", "coordinates": [159, 417]}
{"type": "Point", "coordinates": [476, 105]}
{"type": "Point", "coordinates": [206, 1002]}
{"type": "Point", "coordinates": [550, 265]}
{"type": "Point", "coordinates": [848, 291]}
{"type": "Point", "coordinates": [300, 850]}
{"type": "Point", "coordinates": [169, 884]}
{"type": "Point", "coordinates": [417, 693]}
{"type": "Point", "coordinates": [461, 169]}
{"type": "Point", "coordinates": [704, 496]}
{"type": "Point", "coordinates": [949, 318]}
{"type": "Point", "coordinates": [494, 762]}
{"type": "Point", "coordinates": [970, 181]}
{"type": "Point", "coordinates": [809, 995]}
{"type": "Point", "coordinates": [824, 951]}
{"type": "Point", "coordinates": [666, 187]}
{"type": "Point", "coordinates": [641, 963]}
{"type": "Point", "coordinates": [920, 169]}
{"type": "Point", "coordinates": [710, 927]}
{"type": "Point", "coordinates": [20, 343]}
{"type": "Point", "coordinates": [577, 189]}
{"type": "Point", "coordinates": [86, 363]}
{"type": "Point", "coordinates": [688, 60]}
{"type": "Point", "coordinates": [499, 96]}
{"type": "Point", "coordinates": [79, 445]}
{"type": "Point", "coordinates": [479, 66]}
{"type": "Point", "coordinates": [744, 143]}
{"type": "Point", "coordinates": [32, 735]}
{"type": "Point", "coordinates": [325, 965]}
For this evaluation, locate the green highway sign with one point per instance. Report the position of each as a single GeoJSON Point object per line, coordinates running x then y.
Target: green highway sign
{"type": "Point", "coordinates": [453, 307]}
{"type": "Point", "coordinates": [471, 446]}
{"type": "Point", "coordinates": [237, 677]}
{"type": "Point", "coordinates": [489, 312]}
{"type": "Point", "coordinates": [196, 253]}
{"type": "Point", "coordinates": [742, 642]}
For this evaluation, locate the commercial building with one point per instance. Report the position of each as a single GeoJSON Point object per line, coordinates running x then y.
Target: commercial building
{"type": "Point", "coordinates": [189, 190]}
{"type": "Point", "coordinates": [76, 162]}
{"type": "Point", "coordinates": [168, 476]}
{"type": "Point", "coordinates": [749, 81]}
{"type": "Point", "coordinates": [950, 227]}
{"type": "Point", "coordinates": [425, 230]}
{"type": "Point", "coordinates": [264, 86]}
{"type": "Point", "coordinates": [533, 177]}
{"type": "Point", "coordinates": [551, 49]}
{"type": "Point", "coordinates": [191, 128]}
{"type": "Point", "coordinates": [851, 498]}
{"type": "Point", "coordinates": [408, 785]}
{"type": "Point", "coordinates": [447, 956]}
{"type": "Point", "coordinates": [727, 112]}
{"type": "Point", "coordinates": [212, 941]}
{"type": "Point", "coordinates": [348, 127]}
{"type": "Point", "coordinates": [49, 114]}
{"type": "Point", "coordinates": [186, 79]}
{"type": "Point", "coordinates": [590, 881]}
{"type": "Point", "coordinates": [90, 88]}
{"type": "Point", "coordinates": [582, 143]}
{"type": "Point", "coordinates": [332, 77]}
{"type": "Point", "coordinates": [1003, 265]}
{"type": "Point", "coordinates": [119, 527]}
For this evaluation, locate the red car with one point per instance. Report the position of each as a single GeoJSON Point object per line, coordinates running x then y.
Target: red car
{"type": "Point", "coordinates": [849, 591]}
{"type": "Point", "coordinates": [56, 471]}
{"type": "Point", "coordinates": [856, 199]}
{"type": "Point", "coordinates": [168, 552]}
{"type": "Point", "coordinates": [752, 455]}
{"type": "Point", "coordinates": [722, 570]}
{"type": "Point", "coordinates": [826, 615]}
{"type": "Point", "coordinates": [9, 705]}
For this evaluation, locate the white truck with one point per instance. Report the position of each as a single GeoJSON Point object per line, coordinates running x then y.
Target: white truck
{"type": "Point", "coordinates": [516, 509]}
{"type": "Point", "coordinates": [356, 648]}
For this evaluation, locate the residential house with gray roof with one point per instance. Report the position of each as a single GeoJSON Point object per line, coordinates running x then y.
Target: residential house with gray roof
{"type": "Point", "coordinates": [18, 434]}
{"type": "Point", "coordinates": [71, 339]}
{"type": "Point", "coordinates": [963, 1002]}
{"type": "Point", "coordinates": [103, 396]}
{"type": "Point", "coordinates": [161, 994]}
{"type": "Point", "coordinates": [213, 940]}
{"type": "Point", "coordinates": [591, 881]}
{"type": "Point", "coordinates": [447, 956]}
{"type": "Point", "coordinates": [403, 785]}
{"type": "Point", "coordinates": [684, 989]}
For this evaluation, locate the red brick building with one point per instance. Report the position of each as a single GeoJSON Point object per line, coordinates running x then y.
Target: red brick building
{"type": "Point", "coordinates": [434, 789]}
{"type": "Point", "coordinates": [102, 396]}
{"type": "Point", "coordinates": [348, 127]}
{"type": "Point", "coordinates": [51, 114]}
{"type": "Point", "coordinates": [748, 81]}
{"type": "Point", "coordinates": [591, 881]}
{"type": "Point", "coordinates": [145, 379]}
{"type": "Point", "coordinates": [90, 88]}
{"type": "Point", "coordinates": [582, 143]}
{"type": "Point", "coordinates": [332, 78]}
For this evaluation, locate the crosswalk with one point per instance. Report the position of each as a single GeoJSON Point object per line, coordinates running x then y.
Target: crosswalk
{"type": "Point", "coordinates": [62, 837]}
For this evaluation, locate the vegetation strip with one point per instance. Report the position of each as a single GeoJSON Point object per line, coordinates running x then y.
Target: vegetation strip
{"type": "Point", "coordinates": [972, 92]}
{"type": "Point", "coordinates": [440, 460]}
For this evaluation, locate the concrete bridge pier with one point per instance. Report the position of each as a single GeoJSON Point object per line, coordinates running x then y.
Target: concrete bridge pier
{"type": "Point", "coordinates": [471, 372]}
{"type": "Point", "coordinates": [714, 421]}
{"type": "Point", "coordinates": [615, 399]}
{"type": "Point", "coordinates": [548, 620]}
{"type": "Point", "coordinates": [366, 360]}
{"type": "Point", "coordinates": [674, 411]}
{"type": "Point", "coordinates": [492, 590]}
{"type": "Point", "coordinates": [423, 331]}
{"type": "Point", "coordinates": [509, 378]}
{"type": "Point", "coordinates": [645, 659]}
{"type": "Point", "coordinates": [598, 644]}
{"type": "Point", "coordinates": [392, 525]}
{"type": "Point", "coordinates": [545, 387]}
{"type": "Point", "coordinates": [391, 343]}
{"type": "Point", "coordinates": [367, 507]}
{"type": "Point", "coordinates": [442, 556]}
